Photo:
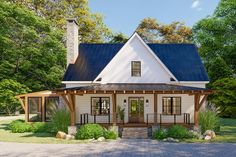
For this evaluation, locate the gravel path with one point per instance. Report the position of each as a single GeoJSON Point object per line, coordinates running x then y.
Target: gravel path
{"type": "Point", "coordinates": [126, 148]}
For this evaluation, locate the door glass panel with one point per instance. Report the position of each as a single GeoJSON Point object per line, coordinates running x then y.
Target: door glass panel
{"type": "Point", "coordinates": [136, 109]}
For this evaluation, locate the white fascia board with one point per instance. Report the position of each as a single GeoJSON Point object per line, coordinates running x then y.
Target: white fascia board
{"type": "Point", "coordinates": [149, 49]}
{"type": "Point", "coordinates": [193, 82]}
{"type": "Point", "coordinates": [77, 82]}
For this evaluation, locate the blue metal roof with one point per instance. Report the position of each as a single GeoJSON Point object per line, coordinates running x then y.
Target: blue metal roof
{"type": "Point", "coordinates": [182, 60]}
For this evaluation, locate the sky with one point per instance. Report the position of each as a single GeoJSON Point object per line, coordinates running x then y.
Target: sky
{"type": "Point", "coordinates": [125, 15]}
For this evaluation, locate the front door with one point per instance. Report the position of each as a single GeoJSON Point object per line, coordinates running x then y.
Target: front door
{"type": "Point", "coordinates": [136, 110]}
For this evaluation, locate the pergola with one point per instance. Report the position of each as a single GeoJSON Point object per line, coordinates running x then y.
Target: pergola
{"type": "Point", "coordinates": [24, 100]}
{"type": "Point", "coordinates": [68, 94]}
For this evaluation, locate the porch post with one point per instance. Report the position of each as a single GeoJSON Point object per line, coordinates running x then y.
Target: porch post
{"type": "Point", "coordinates": [196, 108]}
{"type": "Point", "coordinates": [43, 109]}
{"type": "Point", "coordinates": [114, 120]}
{"type": "Point", "coordinates": [72, 114]}
{"type": "Point", "coordinates": [155, 108]}
{"type": "Point", "coordinates": [26, 109]}
{"type": "Point", "coordinates": [70, 101]}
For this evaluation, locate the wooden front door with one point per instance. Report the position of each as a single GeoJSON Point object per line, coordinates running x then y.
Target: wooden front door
{"type": "Point", "coordinates": [136, 110]}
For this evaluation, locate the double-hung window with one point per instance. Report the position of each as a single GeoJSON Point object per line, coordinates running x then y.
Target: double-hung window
{"type": "Point", "coordinates": [136, 68]}
{"type": "Point", "coordinates": [171, 105]}
{"type": "Point", "coordinates": [100, 105]}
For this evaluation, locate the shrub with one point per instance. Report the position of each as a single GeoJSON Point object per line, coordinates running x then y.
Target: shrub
{"type": "Point", "coordinates": [160, 134]}
{"type": "Point", "coordinates": [60, 121]}
{"type": "Point", "coordinates": [209, 120]}
{"type": "Point", "coordinates": [110, 135]}
{"type": "Point", "coordinates": [19, 126]}
{"type": "Point", "coordinates": [89, 131]}
{"type": "Point", "coordinates": [41, 127]}
{"type": "Point", "coordinates": [179, 132]}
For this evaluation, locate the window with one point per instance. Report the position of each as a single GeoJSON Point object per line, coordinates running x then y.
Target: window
{"type": "Point", "coordinates": [171, 105]}
{"type": "Point", "coordinates": [51, 105]}
{"type": "Point", "coordinates": [35, 109]}
{"type": "Point", "coordinates": [100, 105]}
{"type": "Point", "coordinates": [135, 68]}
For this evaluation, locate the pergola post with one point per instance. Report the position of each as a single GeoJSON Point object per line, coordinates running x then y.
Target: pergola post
{"type": "Point", "coordinates": [155, 108]}
{"type": "Point", "coordinates": [114, 119]}
{"type": "Point", "coordinates": [196, 109]}
{"type": "Point", "coordinates": [26, 109]}
{"type": "Point", "coordinates": [43, 109]}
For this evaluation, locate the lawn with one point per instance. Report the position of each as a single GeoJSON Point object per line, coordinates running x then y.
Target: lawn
{"type": "Point", "coordinates": [7, 136]}
{"type": "Point", "coordinates": [227, 132]}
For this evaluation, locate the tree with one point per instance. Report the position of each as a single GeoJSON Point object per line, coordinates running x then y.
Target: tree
{"type": "Point", "coordinates": [8, 90]}
{"type": "Point", "coordinates": [152, 31]}
{"type": "Point", "coordinates": [225, 96]}
{"type": "Point", "coordinates": [119, 38]}
{"type": "Point", "coordinates": [215, 36]}
{"type": "Point", "coordinates": [31, 51]}
{"type": "Point", "coordinates": [91, 26]}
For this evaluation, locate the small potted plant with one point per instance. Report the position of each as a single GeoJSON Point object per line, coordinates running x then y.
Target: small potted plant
{"type": "Point", "coordinates": [121, 114]}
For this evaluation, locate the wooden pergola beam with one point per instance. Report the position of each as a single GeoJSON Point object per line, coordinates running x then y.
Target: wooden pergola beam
{"type": "Point", "coordinates": [22, 102]}
{"type": "Point", "coordinates": [203, 100]}
{"type": "Point", "coordinates": [81, 92]}
{"type": "Point", "coordinates": [70, 102]}
{"type": "Point", "coordinates": [67, 102]}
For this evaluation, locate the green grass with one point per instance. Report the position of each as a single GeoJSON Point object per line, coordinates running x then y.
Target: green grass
{"type": "Point", "coordinates": [7, 136]}
{"type": "Point", "coordinates": [227, 132]}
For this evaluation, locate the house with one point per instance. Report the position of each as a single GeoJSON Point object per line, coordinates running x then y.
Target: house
{"type": "Point", "coordinates": [153, 83]}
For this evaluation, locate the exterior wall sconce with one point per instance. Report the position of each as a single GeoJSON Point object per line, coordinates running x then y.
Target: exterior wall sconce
{"type": "Point", "coordinates": [125, 102]}
{"type": "Point", "coordinates": [147, 102]}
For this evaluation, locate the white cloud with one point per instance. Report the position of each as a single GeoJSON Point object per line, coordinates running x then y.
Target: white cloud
{"type": "Point", "coordinates": [195, 4]}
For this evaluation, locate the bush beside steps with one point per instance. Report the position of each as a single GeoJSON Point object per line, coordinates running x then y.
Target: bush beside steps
{"type": "Point", "coordinates": [173, 134]}
{"type": "Point", "coordinates": [95, 132]}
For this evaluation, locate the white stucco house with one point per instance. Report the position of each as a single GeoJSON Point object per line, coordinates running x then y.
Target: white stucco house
{"type": "Point", "coordinates": [153, 83]}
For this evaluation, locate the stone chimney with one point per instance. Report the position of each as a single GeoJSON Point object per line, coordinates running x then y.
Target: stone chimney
{"type": "Point", "coordinates": [72, 42]}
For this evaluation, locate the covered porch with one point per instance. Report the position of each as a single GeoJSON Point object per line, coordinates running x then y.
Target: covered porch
{"type": "Point", "coordinates": [150, 96]}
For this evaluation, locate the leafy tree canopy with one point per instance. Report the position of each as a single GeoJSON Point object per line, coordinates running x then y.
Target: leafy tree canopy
{"type": "Point", "coordinates": [119, 38]}
{"type": "Point", "coordinates": [8, 90]}
{"type": "Point", "coordinates": [152, 31]}
{"type": "Point", "coordinates": [31, 51]}
{"type": "Point", "coordinates": [216, 38]}
{"type": "Point", "coordinates": [91, 26]}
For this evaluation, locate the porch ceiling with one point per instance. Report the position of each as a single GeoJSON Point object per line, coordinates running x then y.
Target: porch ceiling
{"type": "Point", "coordinates": [134, 88]}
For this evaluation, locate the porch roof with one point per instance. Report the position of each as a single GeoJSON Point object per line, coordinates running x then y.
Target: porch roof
{"type": "Point", "coordinates": [124, 87]}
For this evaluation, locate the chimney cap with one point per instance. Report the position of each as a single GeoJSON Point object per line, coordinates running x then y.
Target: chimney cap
{"type": "Point", "coordinates": [72, 20]}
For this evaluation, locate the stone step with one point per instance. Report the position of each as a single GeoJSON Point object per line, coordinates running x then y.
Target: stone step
{"type": "Point", "coordinates": [135, 133]}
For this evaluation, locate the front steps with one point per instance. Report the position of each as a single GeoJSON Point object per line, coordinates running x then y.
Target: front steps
{"type": "Point", "coordinates": [135, 133]}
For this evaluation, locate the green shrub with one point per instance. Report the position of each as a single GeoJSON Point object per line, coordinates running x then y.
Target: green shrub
{"type": "Point", "coordinates": [110, 135]}
{"type": "Point", "coordinates": [60, 121]}
{"type": "Point", "coordinates": [41, 127]}
{"type": "Point", "coordinates": [179, 132]}
{"type": "Point", "coordinates": [89, 131]}
{"type": "Point", "coordinates": [19, 126]}
{"type": "Point", "coordinates": [160, 134]}
{"type": "Point", "coordinates": [208, 120]}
